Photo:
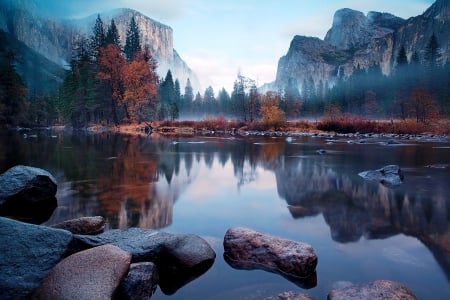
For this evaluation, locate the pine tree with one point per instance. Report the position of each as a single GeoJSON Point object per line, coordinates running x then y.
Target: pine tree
{"type": "Point", "coordinates": [98, 38]}
{"type": "Point", "coordinates": [112, 35]}
{"type": "Point", "coordinates": [432, 55]}
{"type": "Point", "coordinates": [132, 42]}
{"type": "Point", "coordinates": [402, 59]}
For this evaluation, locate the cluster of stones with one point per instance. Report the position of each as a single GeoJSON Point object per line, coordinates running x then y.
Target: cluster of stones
{"type": "Point", "coordinates": [77, 259]}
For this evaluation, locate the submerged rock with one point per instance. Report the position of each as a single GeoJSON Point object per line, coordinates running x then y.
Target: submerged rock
{"type": "Point", "coordinates": [390, 175]}
{"type": "Point", "coordinates": [27, 254]}
{"type": "Point", "coordinates": [27, 193]}
{"type": "Point", "coordinates": [91, 274]}
{"type": "Point", "coordinates": [84, 225]}
{"type": "Point", "coordinates": [380, 289]}
{"type": "Point", "coordinates": [290, 295]}
{"type": "Point", "coordinates": [248, 249]}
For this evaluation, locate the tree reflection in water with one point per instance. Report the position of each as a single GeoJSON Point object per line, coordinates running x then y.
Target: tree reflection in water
{"type": "Point", "coordinates": [136, 181]}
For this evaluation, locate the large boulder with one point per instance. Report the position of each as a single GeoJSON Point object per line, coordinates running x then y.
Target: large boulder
{"type": "Point", "coordinates": [390, 175]}
{"type": "Point", "coordinates": [84, 225]}
{"type": "Point", "coordinates": [180, 250]}
{"type": "Point", "coordinates": [140, 282]}
{"type": "Point", "coordinates": [248, 249]}
{"type": "Point", "coordinates": [91, 274]}
{"type": "Point", "coordinates": [27, 193]}
{"type": "Point", "coordinates": [180, 258]}
{"type": "Point", "coordinates": [380, 289]}
{"type": "Point", "coordinates": [27, 254]}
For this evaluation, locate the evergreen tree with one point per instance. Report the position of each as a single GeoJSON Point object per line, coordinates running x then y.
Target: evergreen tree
{"type": "Point", "coordinates": [188, 96]}
{"type": "Point", "coordinates": [98, 38]}
{"type": "Point", "coordinates": [432, 55]}
{"type": "Point", "coordinates": [132, 42]}
{"type": "Point", "coordinates": [112, 35]}
{"type": "Point", "coordinates": [12, 88]}
{"type": "Point", "coordinates": [402, 59]}
{"type": "Point", "coordinates": [167, 89]}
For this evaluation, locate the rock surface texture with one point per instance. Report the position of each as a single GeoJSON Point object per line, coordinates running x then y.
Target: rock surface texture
{"type": "Point", "coordinates": [377, 290]}
{"type": "Point", "coordinates": [251, 249]}
{"type": "Point", "coordinates": [92, 274]}
{"type": "Point", "coordinates": [24, 188]}
{"type": "Point", "coordinates": [140, 282]}
{"type": "Point", "coordinates": [84, 225]}
{"type": "Point", "coordinates": [27, 254]}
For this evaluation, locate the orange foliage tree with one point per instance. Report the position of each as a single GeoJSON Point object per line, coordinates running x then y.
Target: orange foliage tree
{"type": "Point", "coordinates": [141, 87]}
{"type": "Point", "coordinates": [423, 105]}
{"type": "Point", "coordinates": [112, 62]}
{"type": "Point", "coordinates": [133, 85]}
{"type": "Point", "coordinates": [270, 110]}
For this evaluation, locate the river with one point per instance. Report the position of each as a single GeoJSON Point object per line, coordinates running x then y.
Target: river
{"type": "Point", "coordinates": [360, 230]}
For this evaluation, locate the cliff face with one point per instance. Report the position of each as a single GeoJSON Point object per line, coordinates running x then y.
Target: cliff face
{"type": "Point", "coordinates": [355, 39]}
{"type": "Point", "coordinates": [52, 38]}
{"type": "Point", "coordinates": [156, 36]}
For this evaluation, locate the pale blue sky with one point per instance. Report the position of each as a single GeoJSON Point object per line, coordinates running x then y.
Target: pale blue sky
{"type": "Point", "coordinates": [218, 39]}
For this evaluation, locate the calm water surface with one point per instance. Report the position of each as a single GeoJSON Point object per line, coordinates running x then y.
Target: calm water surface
{"type": "Point", "coordinates": [361, 231]}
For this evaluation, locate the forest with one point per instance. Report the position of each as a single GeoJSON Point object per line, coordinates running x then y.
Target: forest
{"type": "Point", "coordinates": [110, 84]}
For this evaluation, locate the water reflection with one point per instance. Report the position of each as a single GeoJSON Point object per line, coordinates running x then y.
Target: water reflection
{"type": "Point", "coordinates": [136, 181]}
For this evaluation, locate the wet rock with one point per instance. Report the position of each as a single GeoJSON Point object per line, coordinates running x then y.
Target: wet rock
{"type": "Point", "coordinates": [380, 289]}
{"type": "Point", "coordinates": [180, 258]}
{"type": "Point", "coordinates": [248, 249]}
{"type": "Point", "coordinates": [183, 250]}
{"type": "Point", "coordinates": [84, 225]}
{"type": "Point", "coordinates": [27, 254]}
{"type": "Point", "coordinates": [389, 175]}
{"type": "Point", "coordinates": [321, 151]}
{"type": "Point", "coordinates": [140, 282]}
{"type": "Point", "coordinates": [290, 296]}
{"type": "Point", "coordinates": [27, 193]}
{"type": "Point", "coordinates": [92, 274]}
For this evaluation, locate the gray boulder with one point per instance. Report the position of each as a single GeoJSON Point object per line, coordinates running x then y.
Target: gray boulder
{"type": "Point", "coordinates": [28, 193]}
{"type": "Point", "coordinates": [180, 258]}
{"type": "Point", "coordinates": [140, 282]}
{"type": "Point", "coordinates": [92, 274]}
{"type": "Point", "coordinates": [248, 249]}
{"type": "Point", "coordinates": [380, 289]}
{"type": "Point", "coordinates": [84, 225]}
{"type": "Point", "coordinates": [390, 175]}
{"type": "Point", "coordinates": [180, 250]}
{"type": "Point", "coordinates": [27, 254]}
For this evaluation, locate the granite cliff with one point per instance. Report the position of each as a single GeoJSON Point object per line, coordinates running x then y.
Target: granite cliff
{"type": "Point", "coordinates": [357, 39]}
{"type": "Point", "coordinates": [52, 38]}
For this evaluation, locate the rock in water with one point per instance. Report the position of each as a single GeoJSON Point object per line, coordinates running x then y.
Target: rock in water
{"type": "Point", "coordinates": [380, 289]}
{"type": "Point", "coordinates": [140, 282]}
{"type": "Point", "coordinates": [390, 175]}
{"type": "Point", "coordinates": [27, 254]}
{"type": "Point", "coordinates": [248, 249]}
{"type": "Point", "coordinates": [27, 192]}
{"type": "Point", "coordinates": [84, 225]}
{"type": "Point", "coordinates": [91, 274]}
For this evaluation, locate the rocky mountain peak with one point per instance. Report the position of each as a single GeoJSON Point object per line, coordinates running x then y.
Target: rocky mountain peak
{"type": "Point", "coordinates": [440, 10]}
{"type": "Point", "coordinates": [352, 30]}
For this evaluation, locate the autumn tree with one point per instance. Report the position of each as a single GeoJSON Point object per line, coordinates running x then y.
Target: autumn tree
{"type": "Point", "coordinates": [423, 105]}
{"type": "Point", "coordinates": [271, 113]}
{"type": "Point", "coordinates": [132, 41]}
{"type": "Point", "coordinates": [140, 88]}
{"type": "Point", "coordinates": [112, 62]}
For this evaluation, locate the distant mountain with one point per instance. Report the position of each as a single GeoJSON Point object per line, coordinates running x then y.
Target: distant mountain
{"type": "Point", "coordinates": [357, 39]}
{"type": "Point", "coordinates": [50, 37]}
{"type": "Point", "coordinates": [157, 36]}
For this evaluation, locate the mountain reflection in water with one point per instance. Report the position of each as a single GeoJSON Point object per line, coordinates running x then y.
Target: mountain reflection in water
{"type": "Point", "coordinates": [135, 181]}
